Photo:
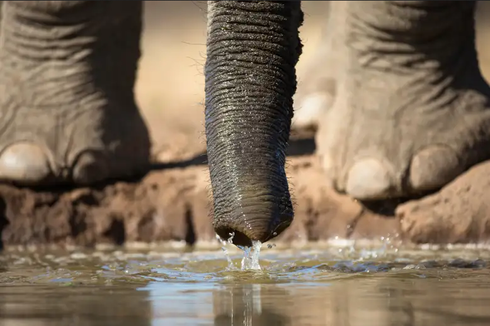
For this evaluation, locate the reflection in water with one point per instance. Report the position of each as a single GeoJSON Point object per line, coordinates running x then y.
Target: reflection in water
{"type": "Point", "coordinates": [72, 306]}
{"type": "Point", "coordinates": [304, 288]}
{"type": "Point", "coordinates": [248, 305]}
{"type": "Point", "coordinates": [357, 302]}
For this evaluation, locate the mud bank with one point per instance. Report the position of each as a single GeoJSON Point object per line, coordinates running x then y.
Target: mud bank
{"type": "Point", "coordinates": [173, 203]}
{"type": "Point", "coordinates": [170, 203]}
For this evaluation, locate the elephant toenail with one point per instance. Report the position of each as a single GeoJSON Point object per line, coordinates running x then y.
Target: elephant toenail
{"type": "Point", "coordinates": [368, 179]}
{"type": "Point", "coordinates": [25, 164]}
{"type": "Point", "coordinates": [310, 109]}
{"type": "Point", "coordinates": [433, 168]}
{"type": "Point", "coordinates": [90, 167]}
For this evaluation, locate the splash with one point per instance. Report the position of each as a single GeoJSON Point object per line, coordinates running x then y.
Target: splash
{"type": "Point", "coordinates": [251, 256]}
{"type": "Point", "coordinates": [231, 266]}
{"type": "Point", "coordinates": [250, 260]}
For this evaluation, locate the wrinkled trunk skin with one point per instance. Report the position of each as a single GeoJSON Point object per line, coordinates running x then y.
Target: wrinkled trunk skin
{"type": "Point", "coordinates": [252, 50]}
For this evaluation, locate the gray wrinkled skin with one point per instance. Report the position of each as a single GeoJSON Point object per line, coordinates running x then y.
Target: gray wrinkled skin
{"type": "Point", "coordinates": [411, 106]}
{"type": "Point", "coordinates": [402, 106]}
{"type": "Point", "coordinates": [67, 72]}
{"type": "Point", "coordinates": [252, 50]}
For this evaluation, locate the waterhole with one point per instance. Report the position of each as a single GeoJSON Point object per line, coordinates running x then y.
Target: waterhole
{"type": "Point", "coordinates": [332, 285]}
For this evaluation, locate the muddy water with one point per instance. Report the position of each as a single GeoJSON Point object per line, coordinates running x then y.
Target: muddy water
{"type": "Point", "coordinates": [315, 286]}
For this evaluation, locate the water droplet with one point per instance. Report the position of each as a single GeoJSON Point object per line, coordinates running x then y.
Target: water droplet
{"type": "Point", "coordinates": [251, 256]}
{"type": "Point", "coordinates": [225, 250]}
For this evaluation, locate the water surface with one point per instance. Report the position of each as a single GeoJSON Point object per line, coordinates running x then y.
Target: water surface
{"type": "Point", "coordinates": [323, 286]}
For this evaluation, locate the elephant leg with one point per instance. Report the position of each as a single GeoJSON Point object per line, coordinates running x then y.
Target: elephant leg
{"type": "Point", "coordinates": [411, 111]}
{"type": "Point", "coordinates": [67, 108]}
{"type": "Point", "coordinates": [318, 85]}
{"type": "Point", "coordinates": [250, 78]}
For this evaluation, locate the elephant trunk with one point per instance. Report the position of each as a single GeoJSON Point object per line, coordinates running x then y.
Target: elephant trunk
{"type": "Point", "coordinates": [252, 50]}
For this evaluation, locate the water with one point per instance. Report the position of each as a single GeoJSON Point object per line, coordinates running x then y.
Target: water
{"type": "Point", "coordinates": [307, 286]}
{"type": "Point", "coordinates": [250, 260]}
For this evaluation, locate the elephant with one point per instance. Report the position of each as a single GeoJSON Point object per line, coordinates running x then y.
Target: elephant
{"type": "Point", "coordinates": [408, 109]}
{"type": "Point", "coordinates": [403, 110]}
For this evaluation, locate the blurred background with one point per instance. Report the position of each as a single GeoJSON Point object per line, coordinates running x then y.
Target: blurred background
{"type": "Point", "coordinates": [170, 85]}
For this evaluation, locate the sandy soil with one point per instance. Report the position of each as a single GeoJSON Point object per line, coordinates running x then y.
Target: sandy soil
{"type": "Point", "coordinates": [172, 202]}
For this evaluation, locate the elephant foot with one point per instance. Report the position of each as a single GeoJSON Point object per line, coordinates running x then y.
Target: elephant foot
{"type": "Point", "coordinates": [67, 109]}
{"type": "Point", "coordinates": [87, 149]}
{"type": "Point", "coordinates": [458, 213]}
{"type": "Point", "coordinates": [408, 118]}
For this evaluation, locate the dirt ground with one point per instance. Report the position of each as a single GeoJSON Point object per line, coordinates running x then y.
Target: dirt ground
{"type": "Point", "coordinates": [172, 202]}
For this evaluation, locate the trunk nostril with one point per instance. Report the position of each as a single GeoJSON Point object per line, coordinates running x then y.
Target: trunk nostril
{"type": "Point", "coordinates": [238, 238]}
{"type": "Point", "coordinates": [244, 234]}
